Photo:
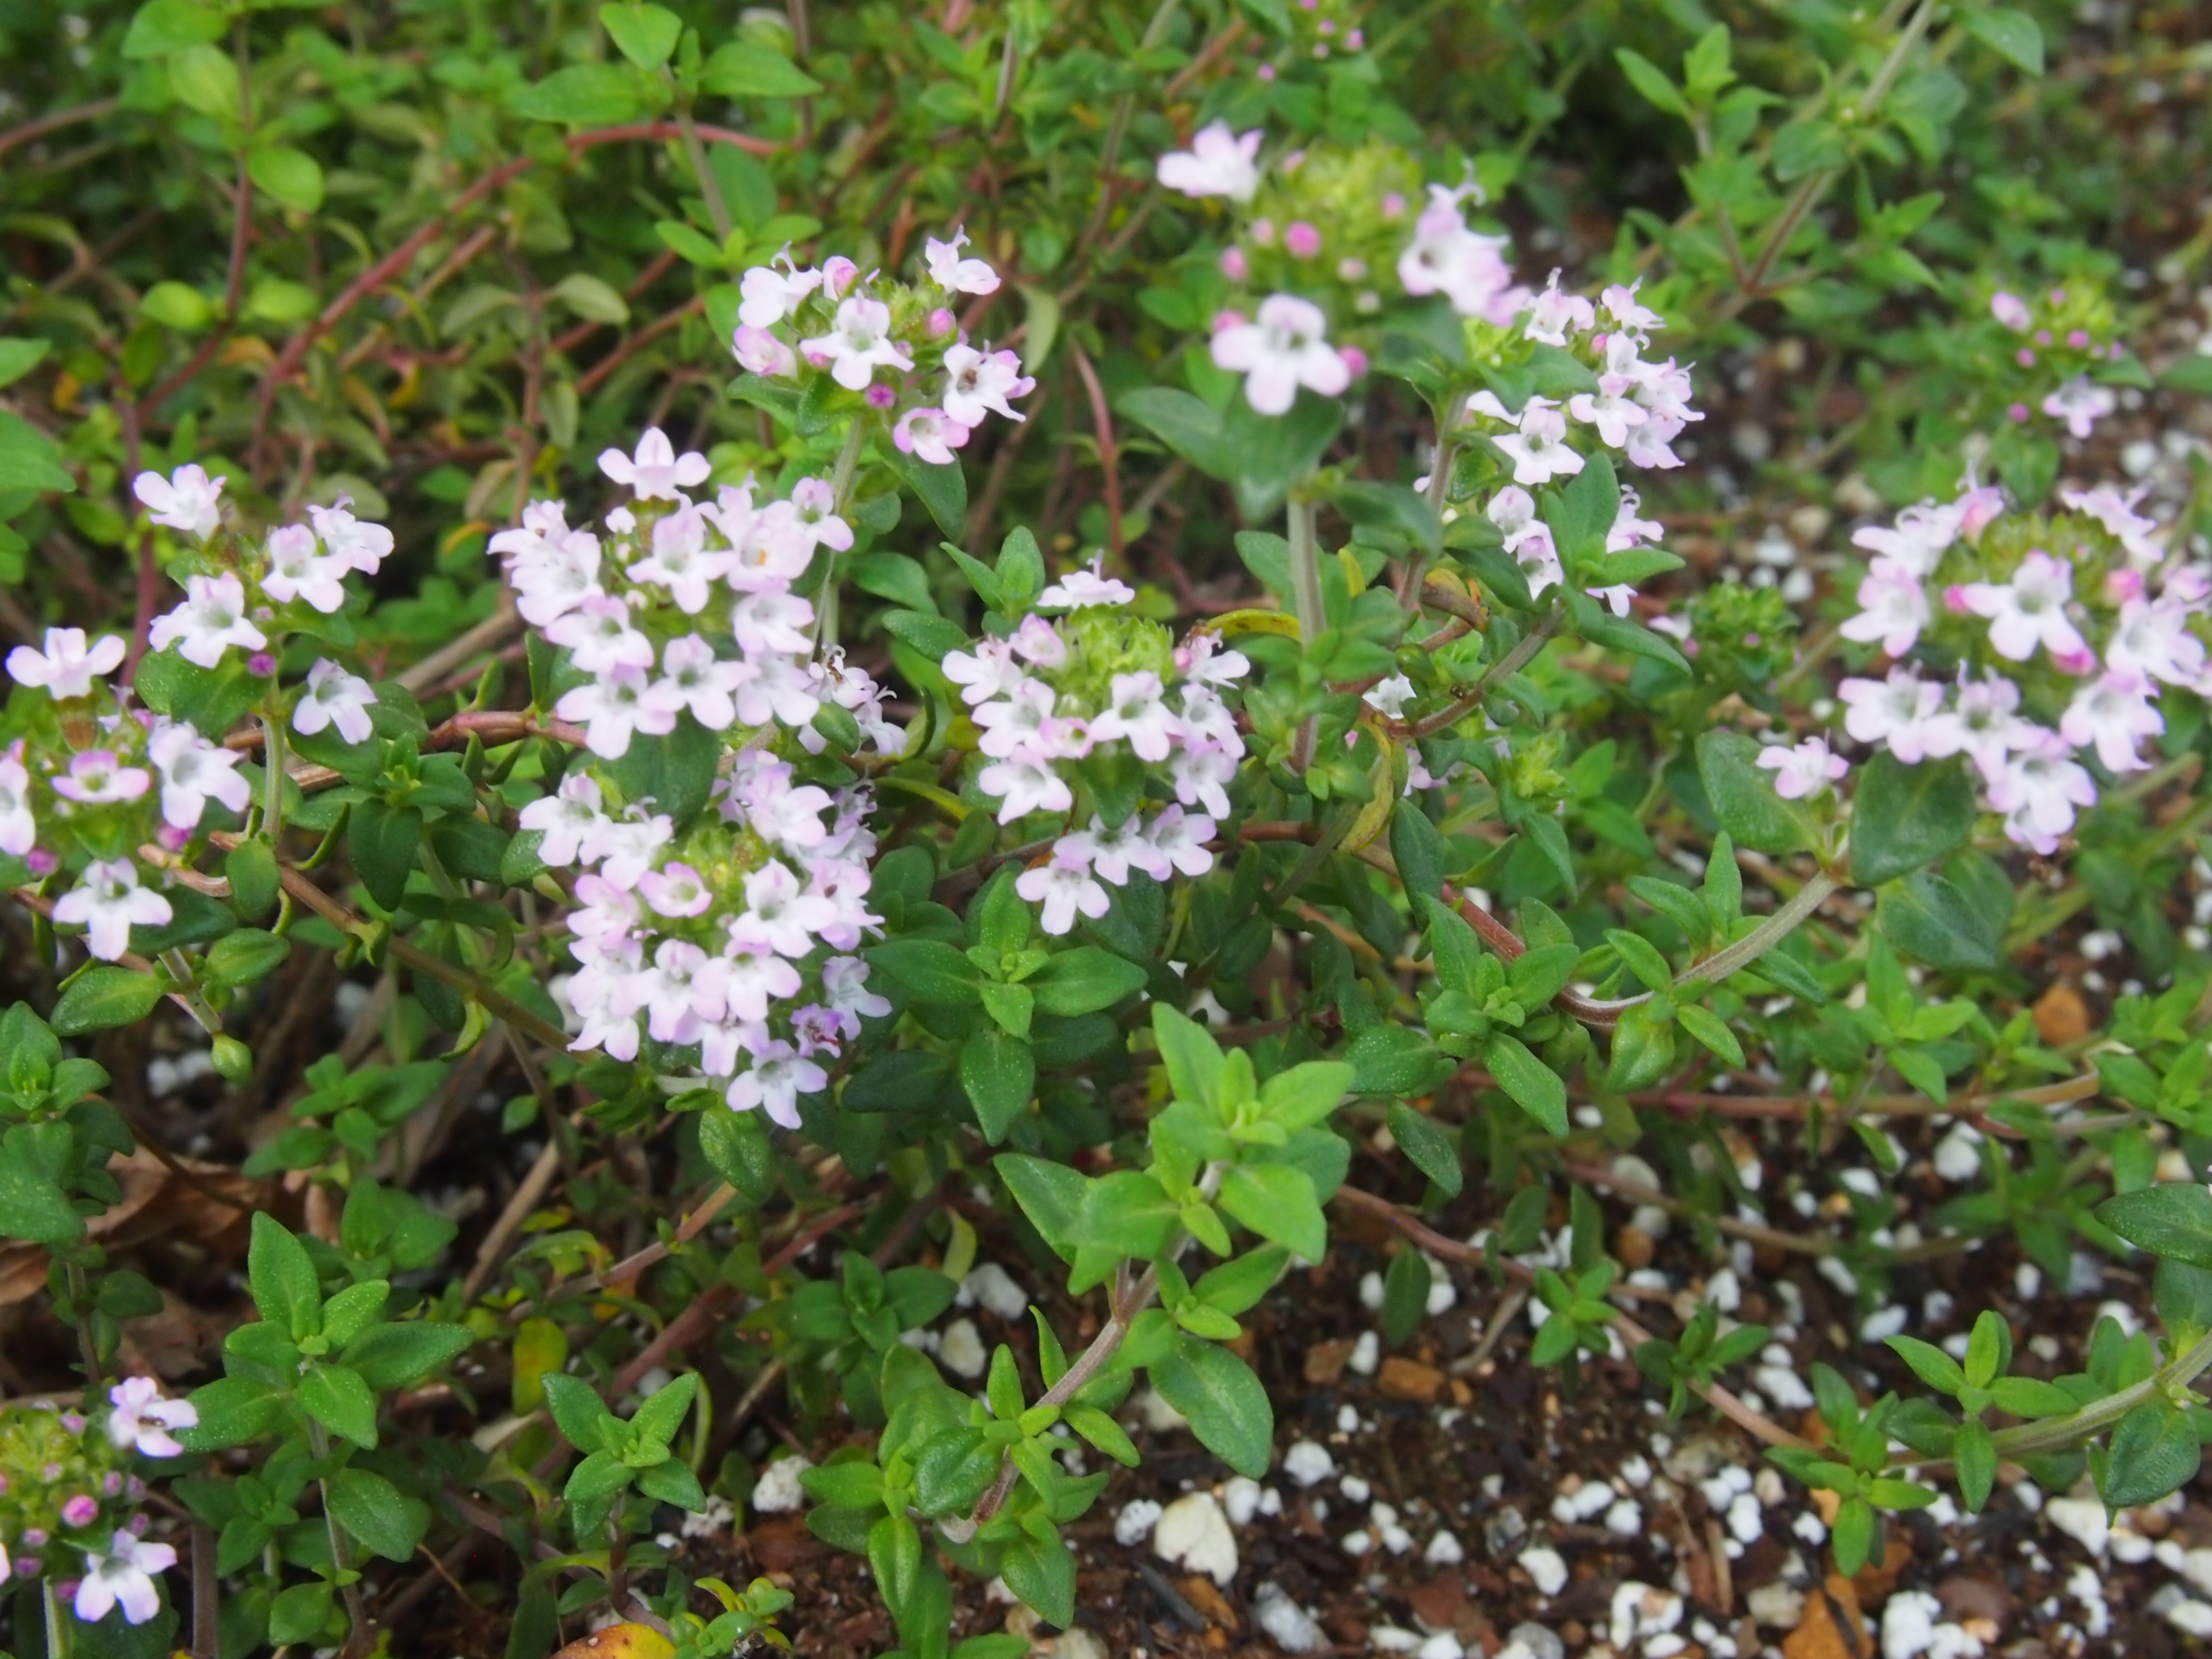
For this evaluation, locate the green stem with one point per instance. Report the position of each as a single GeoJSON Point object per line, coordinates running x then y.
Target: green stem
{"type": "Point", "coordinates": [1512, 664]}
{"type": "Point", "coordinates": [80, 1300]}
{"type": "Point", "coordinates": [57, 1632]}
{"type": "Point", "coordinates": [1768, 934]}
{"type": "Point", "coordinates": [188, 992]}
{"type": "Point", "coordinates": [319, 1442]}
{"type": "Point", "coordinates": [710, 188]}
{"type": "Point", "coordinates": [841, 478]}
{"type": "Point", "coordinates": [1306, 598]}
{"type": "Point", "coordinates": [272, 761]}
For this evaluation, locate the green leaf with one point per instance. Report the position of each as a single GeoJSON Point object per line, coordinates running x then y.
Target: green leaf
{"type": "Point", "coordinates": [1953, 918]}
{"type": "Point", "coordinates": [1305, 1094]}
{"type": "Point", "coordinates": [301, 1615]}
{"type": "Point", "coordinates": [662, 1414]}
{"type": "Point", "coordinates": [1083, 981]}
{"type": "Point", "coordinates": [1041, 1571]}
{"type": "Point", "coordinates": [392, 1356]}
{"type": "Point", "coordinates": [591, 297]}
{"type": "Point", "coordinates": [377, 1512]}
{"type": "Point", "coordinates": [1930, 1363]}
{"type": "Point", "coordinates": [1237, 1285]}
{"type": "Point", "coordinates": [354, 1309]}
{"type": "Point", "coordinates": [162, 27]}
{"type": "Point", "coordinates": [1418, 848]}
{"type": "Point", "coordinates": [1393, 506]}
{"type": "Point", "coordinates": [292, 176]}
{"type": "Point", "coordinates": [1128, 1212]}
{"type": "Point", "coordinates": [1643, 1048]}
{"type": "Point", "coordinates": [1192, 1058]}
{"type": "Point", "coordinates": [231, 1412]}
{"type": "Point", "coordinates": [19, 357]}
{"type": "Point", "coordinates": [1227, 1408]}
{"type": "Point", "coordinates": [930, 970]}
{"type": "Point", "coordinates": [1904, 817]}
{"type": "Point", "coordinates": [1405, 1296]}
{"type": "Point", "coordinates": [578, 1412]}
{"type": "Point", "coordinates": [1000, 1074]}
{"type": "Point", "coordinates": [1651, 82]}
{"type": "Point", "coordinates": [2173, 1221]}
{"type": "Point", "coordinates": [744, 70]}
{"type": "Point", "coordinates": [28, 459]}
{"type": "Point", "coordinates": [2028, 1396]}
{"type": "Point", "coordinates": [204, 78]}
{"type": "Point", "coordinates": [2154, 1451]}
{"type": "Point", "coordinates": [675, 772]}
{"type": "Point", "coordinates": [1186, 424]}
{"type": "Point", "coordinates": [1052, 1195]}
{"type": "Point", "coordinates": [1534, 1086]}
{"type": "Point", "coordinates": [1742, 795]}
{"type": "Point", "coordinates": [382, 839]}
{"type": "Point", "coordinates": [1709, 1028]}
{"type": "Point", "coordinates": [336, 1397]}
{"type": "Point", "coordinates": [942, 489]}
{"type": "Point", "coordinates": [1277, 1203]}
{"type": "Point", "coordinates": [251, 868]}
{"type": "Point", "coordinates": [583, 95]}
{"type": "Point", "coordinates": [2013, 33]}
{"type": "Point", "coordinates": [245, 957]}
{"type": "Point", "coordinates": [736, 1146]}
{"type": "Point", "coordinates": [646, 34]}
{"type": "Point", "coordinates": [282, 1277]}
{"type": "Point", "coordinates": [103, 996]}
{"type": "Point", "coordinates": [1431, 1150]}
{"type": "Point", "coordinates": [33, 1204]}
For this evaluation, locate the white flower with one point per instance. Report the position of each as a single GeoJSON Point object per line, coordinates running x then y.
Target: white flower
{"type": "Point", "coordinates": [2038, 791]}
{"type": "Point", "coordinates": [1062, 889]}
{"type": "Point", "coordinates": [2030, 610]}
{"type": "Point", "coordinates": [2116, 513]}
{"type": "Point", "coordinates": [777, 1078]}
{"type": "Point", "coordinates": [334, 697]}
{"type": "Point", "coordinates": [187, 500]}
{"type": "Point", "coordinates": [1983, 726]}
{"type": "Point", "coordinates": [599, 636]}
{"type": "Point", "coordinates": [694, 679]}
{"type": "Point", "coordinates": [19, 827]}
{"type": "Point", "coordinates": [1553, 314]}
{"type": "Point", "coordinates": [1218, 163]}
{"type": "Point", "coordinates": [1079, 588]}
{"type": "Point", "coordinates": [1389, 696]}
{"type": "Point", "coordinates": [1896, 711]}
{"type": "Point", "coordinates": [779, 914]}
{"type": "Point", "coordinates": [929, 435]}
{"type": "Point", "coordinates": [1893, 607]}
{"type": "Point", "coordinates": [68, 667]}
{"type": "Point", "coordinates": [759, 352]}
{"type": "Point", "coordinates": [107, 901]}
{"type": "Point", "coordinates": [770, 295]}
{"type": "Point", "coordinates": [1918, 539]}
{"type": "Point", "coordinates": [123, 1578]}
{"type": "Point", "coordinates": [2080, 405]}
{"type": "Point", "coordinates": [954, 274]}
{"type": "Point", "coordinates": [2113, 715]}
{"type": "Point", "coordinates": [681, 561]}
{"type": "Point", "coordinates": [1180, 839]}
{"type": "Point", "coordinates": [2153, 638]}
{"type": "Point", "coordinates": [1539, 451]}
{"type": "Point", "coordinates": [211, 619]}
{"type": "Point", "coordinates": [612, 707]}
{"type": "Point", "coordinates": [845, 990]}
{"type": "Point", "coordinates": [656, 471]}
{"type": "Point", "coordinates": [565, 819]}
{"type": "Point", "coordinates": [98, 777]}
{"type": "Point", "coordinates": [989, 671]}
{"type": "Point", "coordinates": [858, 345]}
{"type": "Point", "coordinates": [1285, 350]}
{"type": "Point", "coordinates": [192, 769]}
{"type": "Point", "coordinates": [1803, 770]}
{"type": "Point", "coordinates": [297, 571]}
{"type": "Point", "coordinates": [1136, 712]}
{"type": "Point", "coordinates": [355, 545]}
{"type": "Point", "coordinates": [141, 1418]}
{"type": "Point", "coordinates": [1446, 258]}
{"type": "Point", "coordinates": [978, 383]}
{"type": "Point", "coordinates": [1623, 307]}
{"type": "Point", "coordinates": [1025, 787]}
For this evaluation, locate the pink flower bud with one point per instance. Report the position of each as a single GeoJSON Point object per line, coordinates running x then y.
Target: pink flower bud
{"type": "Point", "coordinates": [1302, 240]}
{"type": "Point", "coordinates": [2059, 296]}
{"type": "Point", "coordinates": [2120, 586]}
{"type": "Point", "coordinates": [261, 665]}
{"type": "Point", "coordinates": [2078, 338]}
{"type": "Point", "coordinates": [1263, 232]}
{"type": "Point", "coordinates": [1267, 71]}
{"type": "Point", "coordinates": [2009, 309]}
{"type": "Point", "coordinates": [1356, 39]}
{"type": "Point", "coordinates": [880, 396]}
{"type": "Point", "coordinates": [837, 274]}
{"type": "Point", "coordinates": [942, 323]}
{"type": "Point", "coordinates": [1227, 318]}
{"type": "Point", "coordinates": [174, 839]}
{"type": "Point", "coordinates": [1955, 600]}
{"type": "Point", "coordinates": [2019, 413]}
{"type": "Point", "coordinates": [1352, 270]}
{"type": "Point", "coordinates": [41, 862]}
{"type": "Point", "coordinates": [2024, 357]}
{"type": "Point", "coordinates": [1327, 26]}
{"type": "Point", "coordinates": [2076, 663]}
{"type": "Point", "coordinates": [1234, 265]}
{"type": "Point", "coordinates": [79, 1510]}
{"type": "Point", "coordinates": [1355, 360]}
{"type": "Point", "coordinates": [1393, 204]}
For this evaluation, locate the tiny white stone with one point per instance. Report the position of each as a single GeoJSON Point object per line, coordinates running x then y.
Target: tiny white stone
{"type": "Point", "coordinates": [778, 1492]}
{"type": "Point", "coordinates": [1883, 1323]}
{"type": "Point", "coordinates": [2082, 1520]}
{"type": "Point", "coordinates": [1357, 1541]}
{"type": "Point", "coordinates": [1636, 1469]}
{"type": "Point", "coordinates": [1135, 1522]}
{"type": "Point", "coordinates": [1289, 1626]}
{"type": "Point", "coordinates": [1545, 1568]}
{"type": "Point", "coordinates": [961, 1350]}
{"type": "Point", "coordinates": [1626, 1518]}
{"type": "Point", "coordinates": [994, 1287]}
{"type": "Point", "coordinates": [1746, 1520]}
{"type": "Point", "coordinates": [1810, 1528]}
{"type": "Point", "coordinates": [1370, 1291]}
{"type": "Point", "coordinates": [1397, 1539]}
{"type": "Point", "coordinates": [1355, 1489]}
{"type": "Point", "coordinates": [2191, 1617]}
{"type": "Point", "coordinates": [1347, 1420]}
{"type": "Point", "coordinates": [1366, 1353]}
{"type": "Point", "coordinates": [1271, 1501]}
{"type": "Point", "coordinates": [1777, 1606]}
{"type": "Point", "coordinates": [1444, 1551]}
{"type": "Point", "coordinates": [1442, 1645]}
{"type": "Point", "coordinates": [1241, 1499]}
{"type": "Point", "coordinates": [1389, 1638]}
{"type": "Point", "coordinates": [1308, 1463]}
{"type": "Point", "coordinates": [1194, 1533]}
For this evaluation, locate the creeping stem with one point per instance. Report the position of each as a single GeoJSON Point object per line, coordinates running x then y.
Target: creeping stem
{"type": "Point", "coordinates": [1305, 597]}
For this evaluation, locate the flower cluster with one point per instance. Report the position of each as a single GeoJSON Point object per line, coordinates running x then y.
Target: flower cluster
{"type": "Point", "coordinates": [2048, 643]}
{"type": "Point", "coordinates": [720, 943]}
{"type": "Point", "coordinates": [2054, 340]}
{"type": "Point", "coordinates": [94, 776]}
{"type": "Point", "coordinates": [853, 328]}
{"type": "Point", "coordinates": [69, 1497]}
{"type": "Point", "coordinates": [1063, 705]}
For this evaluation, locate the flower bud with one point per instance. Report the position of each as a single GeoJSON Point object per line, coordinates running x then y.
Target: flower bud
{"type": "Point", "coordinates": [234, 1060]}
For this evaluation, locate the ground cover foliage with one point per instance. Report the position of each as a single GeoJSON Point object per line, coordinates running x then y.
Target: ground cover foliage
{"type": "Point", "coordinates": [680, 677]}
